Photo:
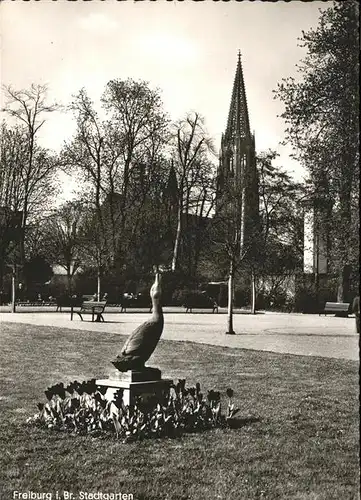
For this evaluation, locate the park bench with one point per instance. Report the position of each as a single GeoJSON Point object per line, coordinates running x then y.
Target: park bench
{"type": "Point", "coordinates": [96, 309]}
{"type": "Point", "coordinates": [338, 308]}
{"type": "Point", "coordinates": [66, 301]}
{"type": "Point", "coordinates": [200, 302]}
{"type": "Point", "coordinates": [29, 303]}
{"type": "Point", "coordinates": [36, 303]}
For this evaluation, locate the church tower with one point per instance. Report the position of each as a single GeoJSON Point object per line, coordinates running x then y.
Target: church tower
{"type": "Point", "coordinates": [237, 171]}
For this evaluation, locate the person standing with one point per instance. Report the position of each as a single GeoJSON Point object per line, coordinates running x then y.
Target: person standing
{"type": "Point", "coordinates": [356, 311]}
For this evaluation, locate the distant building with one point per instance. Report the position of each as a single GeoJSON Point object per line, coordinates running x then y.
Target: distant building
{"type": "Point", "coordinates": [237, 171]}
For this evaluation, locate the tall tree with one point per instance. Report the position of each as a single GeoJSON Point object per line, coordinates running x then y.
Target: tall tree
{"type": "Point", "coordinates": [229, 251]}
{"type": "Point", "coordinates": [150, 224]}
{"type": "Point", "coordinates": [29, 109]}
{"type": "Point", "coordinates": [24, 189]}
{"type": "Point", "coordinates": [322, 117]}
{"type": "Point", "coordinates": [93, 243]}
{"type": "Point", "coordinates": [280, 198]}
{"type": "Point", "coordinates": [197, 234]}
{"type": "Point", "coordinates": [62, 239]}
{"type": "Point", "coordinates": [117, 155]}
{"type": "Point", "coordinates": [93, 155]}
{"type": "Point", "coordinates": [280, 246]}
{"type": "Point", "coordinates": [191, 147]}
{"type": "Point", "coordinates": [136, 113]}
{"type": "Point", "coordinates": [12, 157]}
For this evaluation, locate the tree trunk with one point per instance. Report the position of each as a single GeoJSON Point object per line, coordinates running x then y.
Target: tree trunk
{"type": "Point", "coordinates": [316, 266]}
{"type": "Point", "coordinates": [343, 289]}
{"type": "Point", "coordinates": [253, 293]}
{"type": "Point", "coordinates": [13, 291]}
{"type": "Point", "coordinates": [230, 330]}
{"type": "Point", "coordinates": [177, 239]}
{"type": "Point", "coordinates": [98, 285]}
{"type": "Point", "coordinates": [345, 244]}
{"type": "Point", "coordinates": [70, 284]}
{"type": "Point", "coordinates": [197, 250]}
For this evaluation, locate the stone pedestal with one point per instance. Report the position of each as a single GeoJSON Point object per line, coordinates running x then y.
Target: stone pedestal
{"type": "Point", "coordinates": [146, 383]}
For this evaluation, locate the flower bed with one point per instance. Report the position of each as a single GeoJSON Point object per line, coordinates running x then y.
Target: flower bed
{"type": "Point", "coordinates": [82, 408]}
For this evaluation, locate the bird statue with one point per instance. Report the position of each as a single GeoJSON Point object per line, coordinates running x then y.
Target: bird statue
{"type": "Point", "coordinates": [141, 343]}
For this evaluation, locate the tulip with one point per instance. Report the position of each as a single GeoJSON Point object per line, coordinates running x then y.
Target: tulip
{"type": "Point", "coordinates": [230, 393]}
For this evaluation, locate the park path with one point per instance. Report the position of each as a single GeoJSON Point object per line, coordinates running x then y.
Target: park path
{"type": "Point", "coordinates": [300, 334]}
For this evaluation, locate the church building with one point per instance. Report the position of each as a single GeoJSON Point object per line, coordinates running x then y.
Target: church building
{"type": "Point", "coordinates": [237, 171]}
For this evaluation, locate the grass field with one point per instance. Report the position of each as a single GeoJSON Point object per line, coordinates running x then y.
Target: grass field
{"type": "Point", "coordinates": [298, 436]}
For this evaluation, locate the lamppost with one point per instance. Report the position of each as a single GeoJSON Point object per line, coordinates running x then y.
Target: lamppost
{"type": "Point", "coordinates": [13, 289]}
{"type": "Point", "coordinates": [14, 268]}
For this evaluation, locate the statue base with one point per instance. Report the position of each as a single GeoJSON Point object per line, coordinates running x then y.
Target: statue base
{"type": "Point", "coordinates": [144, 375]}
{"type": "Point", "coordinates": [146, 383]}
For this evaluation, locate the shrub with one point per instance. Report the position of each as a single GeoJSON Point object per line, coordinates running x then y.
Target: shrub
{"type": "Point", "coordinates": [180, 296]}
{"type": "Point", "coordinates": [83, 409]}
{"type": "Point", "coordinates": [174, 283]}
{"type": "Point", "coordinates": [223, 296]}
{"type": "Point", "coordinates": [193, 298]}
{"type": "Point", "coordinates": [277, 300]}
{"type": "Point", "coordinates": [5, 298]}
{"type": "Point", "coordinates": [242, 297]}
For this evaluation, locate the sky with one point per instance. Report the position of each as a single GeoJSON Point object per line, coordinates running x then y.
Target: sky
{"type": "Point", "coordinates": [187, 49]}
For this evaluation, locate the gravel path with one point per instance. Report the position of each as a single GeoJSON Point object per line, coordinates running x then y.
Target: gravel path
{"type": "Point", "coordinates": [301, 334]}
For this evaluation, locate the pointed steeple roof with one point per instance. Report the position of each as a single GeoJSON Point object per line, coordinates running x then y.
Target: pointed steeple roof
{"type": "Point", "coordinates": [170, 194]}
{"type": "Point", "coordinates": [238, 120]}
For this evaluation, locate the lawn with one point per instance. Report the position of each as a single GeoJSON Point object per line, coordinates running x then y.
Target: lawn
{"type": "Point", "coordinates": [298, 436]}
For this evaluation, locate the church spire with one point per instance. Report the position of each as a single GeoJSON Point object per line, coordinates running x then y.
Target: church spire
{"type": "Point", "coordinates": [238, 121]}
{"type": "Point", "coordinates": [237, 162]}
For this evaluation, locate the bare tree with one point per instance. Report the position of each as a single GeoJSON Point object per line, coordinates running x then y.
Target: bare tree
{"type": "Point", "coordinates": [202, 206]}
{"type": "Point", "coordinates": [89, 156]}
{"type": "Point", "coordinates": [116, 155]}
{"type": "Point", "coordinates": [62, 238]}
{"type": "Point", "coordinates": [29, 109]}
{"type": "Point", "coordinates": [191, 146]}
{"type": "Point", "coordinates": [136, 114]}
{"type": "Point", "coordinates": [22, 190]}
{"type": "Point", "coordinates": [230, 248]}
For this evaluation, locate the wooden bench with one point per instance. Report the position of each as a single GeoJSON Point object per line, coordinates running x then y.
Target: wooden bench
{"type": "Point", "coordinates": [189, 308]}
{"type": "Point", "coordinates": [65, 301]}
{"type": "Point", "coordinates": [96, 309]}
{"type": "Point", "coordinates": [338, 308]}
{"type": "Point", "coordinates": [37, 303]}
{"type": "Point", "coordinates": [200, 302]}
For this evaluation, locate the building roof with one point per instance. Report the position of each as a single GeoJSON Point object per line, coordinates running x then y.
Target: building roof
{"type": "Point", "coordinates": [238, 119]}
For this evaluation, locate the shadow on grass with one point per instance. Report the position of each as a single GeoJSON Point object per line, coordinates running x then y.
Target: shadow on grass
{"type": "Point", "coordinates": [238, 423]}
